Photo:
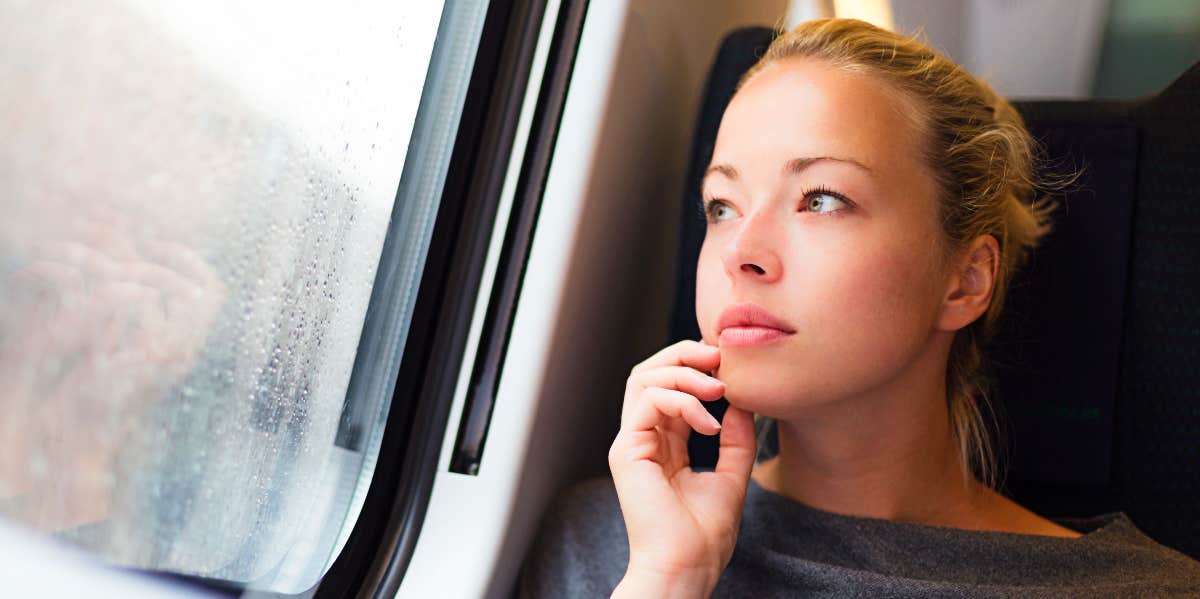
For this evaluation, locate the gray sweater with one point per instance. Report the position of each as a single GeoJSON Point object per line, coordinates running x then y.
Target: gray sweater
{"type": "Point", "coordinates": [787, 549]}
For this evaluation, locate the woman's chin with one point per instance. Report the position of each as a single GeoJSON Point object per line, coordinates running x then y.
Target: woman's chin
{"type": "Point", "coordinates": [771, 395]}
{"type": "Point", "coordinates": [757, 395]}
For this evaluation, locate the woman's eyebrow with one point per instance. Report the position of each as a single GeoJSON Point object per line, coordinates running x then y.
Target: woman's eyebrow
{"type": "Point", "coordinates": [724, 169]}
{"type": "Point", "coordinates": [794, 166]}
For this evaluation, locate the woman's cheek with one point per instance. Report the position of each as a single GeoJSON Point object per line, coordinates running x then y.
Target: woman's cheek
{"type": "Point", "coordinates": [709, 294]}
{"type": "Point", "coordinates": [888, 312]}
{"type": "Point", "coordinates": [862, 312]}
{"type": "Point", "coordinates": [857, 327]}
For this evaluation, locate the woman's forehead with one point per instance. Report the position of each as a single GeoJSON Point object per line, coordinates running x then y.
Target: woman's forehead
{"type": "Point", "coordinates": [802, 109]}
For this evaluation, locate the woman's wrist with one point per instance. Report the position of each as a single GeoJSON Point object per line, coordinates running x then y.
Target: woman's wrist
{"type": "Point", "coordinates": [651, 582]}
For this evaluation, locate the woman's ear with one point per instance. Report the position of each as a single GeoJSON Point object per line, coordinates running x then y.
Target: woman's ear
{"type": "Point", "coordinates": [970, 285]}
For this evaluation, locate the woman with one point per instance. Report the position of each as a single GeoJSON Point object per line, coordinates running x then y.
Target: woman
{"type": "Point", "coordinates": [867, 201]}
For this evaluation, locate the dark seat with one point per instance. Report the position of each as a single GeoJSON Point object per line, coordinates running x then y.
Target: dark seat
{"type": "Point", "coordinates": [1097, 359]}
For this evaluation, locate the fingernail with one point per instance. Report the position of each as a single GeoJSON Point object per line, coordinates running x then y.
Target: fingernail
{"type": "Point", "coordinates": [716, 424]}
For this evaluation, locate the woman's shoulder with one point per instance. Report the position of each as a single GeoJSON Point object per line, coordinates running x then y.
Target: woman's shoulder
{"type": "Point", "coordinates": [1106, 554]}
{"type": "Point", "coordinates": [1122, 530]}
{"type": "Point", "coordinates": [581, 548]}
{"type": "Point", "coordinates": [1136, 560]}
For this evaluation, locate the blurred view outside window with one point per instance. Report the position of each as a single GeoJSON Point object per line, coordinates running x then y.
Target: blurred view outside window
{"type": "Point", "coordinates": [1147, 45]}
{"type": "Point", "coordinates": [195, 196]}
{"type": "Point", "coordinates": [1059, 49]}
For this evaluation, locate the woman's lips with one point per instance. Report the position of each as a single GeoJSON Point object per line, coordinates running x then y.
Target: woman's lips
{"type": "Point", "coordinates": [747, 324]}
{"type": "Point", "coordinates": [749, 336]}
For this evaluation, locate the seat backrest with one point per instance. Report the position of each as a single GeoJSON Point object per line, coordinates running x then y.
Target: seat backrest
{"type": "Point", "coordinates": [1097, 357]}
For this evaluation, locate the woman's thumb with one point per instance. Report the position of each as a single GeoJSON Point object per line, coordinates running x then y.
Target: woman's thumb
{"type": "Point", "coordinates": [738, 446]}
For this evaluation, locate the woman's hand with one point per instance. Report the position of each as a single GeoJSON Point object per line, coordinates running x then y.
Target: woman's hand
{"type": "Point", "coordinates": [682, 525]}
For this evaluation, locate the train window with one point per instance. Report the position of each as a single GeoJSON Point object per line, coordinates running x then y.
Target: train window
{"type": "Point", "coordinates": [196, 198]}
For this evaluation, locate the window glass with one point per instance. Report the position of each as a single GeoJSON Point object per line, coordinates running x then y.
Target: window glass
{"type": "Point", "coordinates": [195, 198]}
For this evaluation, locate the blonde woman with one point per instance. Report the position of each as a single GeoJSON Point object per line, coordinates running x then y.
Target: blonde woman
{"type": "Point", "coordinates": [867, 201]}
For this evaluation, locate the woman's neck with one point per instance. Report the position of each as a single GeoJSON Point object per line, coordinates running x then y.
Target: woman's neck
{"type": "Point", "coordinates": [889, 453]}
{"type": "Point", "coordinates": [915, 482]}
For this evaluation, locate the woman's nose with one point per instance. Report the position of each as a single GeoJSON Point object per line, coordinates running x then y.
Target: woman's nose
{"type": "Point", "coordinates": [752, 252]}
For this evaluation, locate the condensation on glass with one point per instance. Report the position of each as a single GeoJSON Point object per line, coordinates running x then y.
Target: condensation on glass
{"type": "Point", "coordinates": [194, 196]}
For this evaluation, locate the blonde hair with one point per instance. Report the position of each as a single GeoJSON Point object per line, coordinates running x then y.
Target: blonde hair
{"type": "Point", "coordinates": [983, 159]}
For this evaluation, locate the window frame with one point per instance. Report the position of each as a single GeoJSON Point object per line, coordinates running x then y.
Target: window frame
{"type": "Point", "coordinates": [384, 537]}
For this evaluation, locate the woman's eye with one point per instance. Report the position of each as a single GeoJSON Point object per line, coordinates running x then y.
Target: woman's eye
{"type": "Point", "coordinates": [719, 211]}
{"type": "Point", "coordinates": [823, 202]}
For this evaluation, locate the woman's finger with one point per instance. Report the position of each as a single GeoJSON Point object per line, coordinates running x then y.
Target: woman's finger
{"type": "Point", "coordinates": [655, 405]}
{"type": "Point", "coordinates": [682, 378]}
{"type": "Point", "coordinates": [738, 446]}
{"type": "Point", "coordinates": [684, 353]}
{"type": "Point", "coordinates": [679, 378]}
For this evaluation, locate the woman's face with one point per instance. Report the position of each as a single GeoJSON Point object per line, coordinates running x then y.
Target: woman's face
{"type": "Point", "coordinates": [822, 214]}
